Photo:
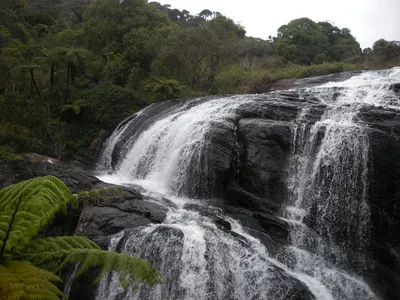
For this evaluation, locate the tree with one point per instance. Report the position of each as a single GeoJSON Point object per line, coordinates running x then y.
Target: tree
{"type": "Point", "coordinates": [346, 45]}
{"type": "Point", "coordinates": [31, 70]}
{"type": "Point", "coordinates": [29, 265]}
{"type": "Point", "coordinates": [72, 58]}
{"type": "Point", "coordinates": [386, 50]}
{"type": "Point", "coordinates": [206, 14]}
{"type": "Point", "coordinates": [165, 89]}
{"type": "Point", "coordinates": [76, 107]}
{"type": "Point", "coordinates": [304, 41]}
{"type": "Point", "coordinates": [252, 49]}
{"type": "Point", "coordinates": [300, 41]}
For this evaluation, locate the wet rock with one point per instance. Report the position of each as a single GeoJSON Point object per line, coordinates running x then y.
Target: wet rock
{"type": "Point", "coordinates": [265, 145]}
{"type": "Point", "coordinates": [223, 224]}
{"type": "Point", "coordinates": [73, 176]}
{"type": "Point", "coordinates": [384, 198]}
{"type": "Point", "coordinates": [286, 84]}
{"type": "Point", "coordinates": [271, 231]}
{"type": "Point", "coordinates": [122, 212]}
{"type": "Point", "coordinates": [128, 210]}
{"type": "Point", "coordinates": [273, 225]}
{"type": "Point", "coordinates": [212, 213]}
{"type": "Point", "coordinates": [395, 87]}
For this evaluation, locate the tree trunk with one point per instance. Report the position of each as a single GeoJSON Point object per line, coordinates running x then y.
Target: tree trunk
{"type": "Point", "coordinates": [35, 85]}
{"type": "Point", "coordinates": [73, 72]}
{"type": "Point", "coordinates": [67, 87]}
{"type": "Point", "coordinates": [51, 76]}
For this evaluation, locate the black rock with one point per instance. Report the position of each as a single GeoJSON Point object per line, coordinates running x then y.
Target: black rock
{"type": "Point", "coordinates": [395, 87]}
{"type": "Point", "coordinates": [265, 145]}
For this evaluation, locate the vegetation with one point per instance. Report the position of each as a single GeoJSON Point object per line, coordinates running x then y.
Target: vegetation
{"type": "Point", "coordinates": [29, 265]}
{"type": "Point", "coordinates": [8, 153]}
{"type": "Point", "coordinates": [71, 68]}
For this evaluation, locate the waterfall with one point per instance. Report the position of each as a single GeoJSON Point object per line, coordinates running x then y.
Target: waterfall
{"type": "Point", "coordinates": [172, 154]}
{"type": "Point", "coordinates": [326, 201]}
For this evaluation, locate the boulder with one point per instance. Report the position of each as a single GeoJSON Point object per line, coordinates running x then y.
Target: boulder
{"type": "Point", "coordinates": [127, 211]}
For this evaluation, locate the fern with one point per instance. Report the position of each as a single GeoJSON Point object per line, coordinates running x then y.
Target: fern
{"type": "Point", "coordinates": [26, 208]}
{"type": "Point", "coordinates": [76, 107]}
{"type": "Point", "coordinates": [22, 280]}
{"type": "Point", "coordinates": [54, 254]}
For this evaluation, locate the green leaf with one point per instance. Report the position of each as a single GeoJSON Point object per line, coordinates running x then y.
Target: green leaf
{"type": "Point", "coordinates": [22, 280]}
{"type": "Point", "coordinates": [54, 254]}
{"type": "Point", "coordinates": [28, 206]}
{"type": "Point", "coordinates": [76, 109]}
{"type": "Point", "coordinates": [66, 108]}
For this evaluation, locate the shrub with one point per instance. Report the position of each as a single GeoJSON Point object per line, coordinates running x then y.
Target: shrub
{"type": "Point", "coordinates": [8, 153]}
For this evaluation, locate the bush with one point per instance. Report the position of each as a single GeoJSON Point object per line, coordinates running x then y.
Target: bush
{"type": "Point", "coordinates": [229, 81]}
{"type": "Point", "coordinates": [8, 153]}
{"type": "Point", "coordinates": [297, 72]}
{"type": "Point", "coordinates": [258, 81]}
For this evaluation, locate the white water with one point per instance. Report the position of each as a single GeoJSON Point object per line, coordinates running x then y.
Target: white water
{"type": "Point", "coordinates": [109, 145]}
{"type": "Point", "coordinates": [163, 156]}
{"type": "Point", "coordinates": [327, 200]}
{"type": "Point", "coordinates": [328, 184]}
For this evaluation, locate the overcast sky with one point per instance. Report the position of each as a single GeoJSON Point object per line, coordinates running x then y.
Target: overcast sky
{"type": "Point", "coordinates": [368, 20]}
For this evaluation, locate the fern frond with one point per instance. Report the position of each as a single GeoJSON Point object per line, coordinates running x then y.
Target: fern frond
{"type": "Point", "coordinates": [54, 254]}
{"type": "Point", "coordinates": [131, 269]}
{"type": "Point", "coordinates": [28, 206]}
{"type": "Point", "coordinates": [66, 108]}
{"type": "Point", "coordinates": [96, 196]}
{"type": "Point", "coordinates": [22, 280]}
{"type": "Point", "coordinates": [80, 103]}
{"type": "Point", "coordinates": [49, 253]}
{"type": "Point", "coordinates": [76, 109]}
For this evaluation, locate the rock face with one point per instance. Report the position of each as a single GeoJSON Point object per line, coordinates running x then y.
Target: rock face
{"type": "Point", "coordinates": [395, 87]}
{"type": "Point", "coordinates": [384, 197]}
{"type": "Point", "coordinates": [265, 145]}
{"type": "Point", "coordinates": [250, 165]}
{"type": "Point", "coordinates": [123, 212]}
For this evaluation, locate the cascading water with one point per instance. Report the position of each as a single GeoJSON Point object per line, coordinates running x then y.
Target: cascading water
{"type": "Point", "coordinates": [171, 151]}
{"type": "Point", "coordinates": [326, 205]}
{"type": "Point", "coordinates": [327, 200]}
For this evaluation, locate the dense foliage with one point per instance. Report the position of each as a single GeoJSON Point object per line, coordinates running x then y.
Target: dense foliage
{"type": "Point", "coordinates": [29, 266]}
{"type": "Point", "coordinates": [72, 68]}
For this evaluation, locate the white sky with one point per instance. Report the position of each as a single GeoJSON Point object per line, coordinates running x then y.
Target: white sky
{"type": "Point", "coordinates": [368, 20]}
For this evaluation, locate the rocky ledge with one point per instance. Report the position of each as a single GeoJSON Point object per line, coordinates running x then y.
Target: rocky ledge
{"type": "Point", "coordinates": [97, 222]}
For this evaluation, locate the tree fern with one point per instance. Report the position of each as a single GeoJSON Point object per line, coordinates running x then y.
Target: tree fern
{"type": "Point", "coordinates": [22, 280]}
{"type": "Point", "coordinates": [26, 208]}
{"type": "Point", "coordinates": [76, 107]}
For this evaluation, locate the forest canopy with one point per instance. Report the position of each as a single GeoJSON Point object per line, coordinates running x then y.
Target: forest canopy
{"type": "Point", "coordinates": [71, 68]}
